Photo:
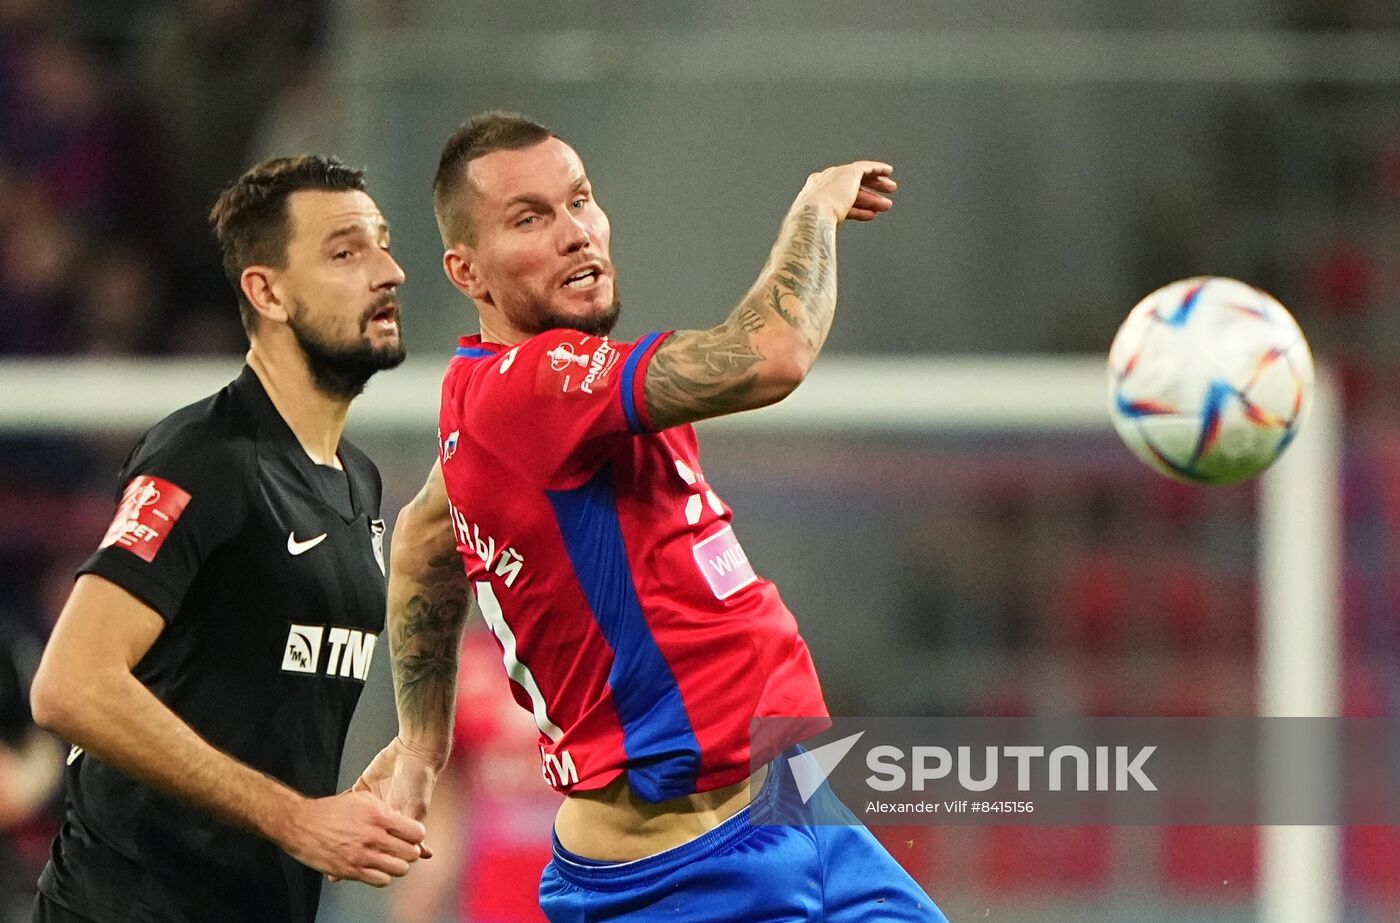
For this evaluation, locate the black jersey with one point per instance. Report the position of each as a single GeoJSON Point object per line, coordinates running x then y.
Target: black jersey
{"type": "Point", "coordinates": [273, 595]}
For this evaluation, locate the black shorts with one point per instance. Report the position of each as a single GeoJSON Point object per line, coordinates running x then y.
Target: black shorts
{"type": "Point", "coordinates": [46, 911]}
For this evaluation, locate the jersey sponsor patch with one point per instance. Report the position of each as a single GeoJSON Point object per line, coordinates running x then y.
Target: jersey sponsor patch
{"type": "Point", "coordinates": [149, 509]}
{"type": "Point", "coordinates": [583, 367]}
{"type": "Point", "coordinates": [724, 564]}
{"type": "Point", "coordinates": [349, 651]}
{"type": "Point", "coordinates": [303, 653]}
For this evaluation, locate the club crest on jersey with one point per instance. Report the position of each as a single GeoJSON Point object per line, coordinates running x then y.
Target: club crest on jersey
{"type": "Point", "coordinates": [149, 509]}
{"type": "Point", "coordinates": [582, 371]}
{"type": "Point", "coordinates": [376, 540]}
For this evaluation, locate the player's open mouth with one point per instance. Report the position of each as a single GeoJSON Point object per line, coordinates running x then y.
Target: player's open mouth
{"type": "Point", "coordinates": [585, 277]}
{"type": "Point", "coordinates": [386, 317]}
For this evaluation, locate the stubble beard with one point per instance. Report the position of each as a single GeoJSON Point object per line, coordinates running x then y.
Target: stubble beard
{"type": "Point", "coordinates": [536, 314]}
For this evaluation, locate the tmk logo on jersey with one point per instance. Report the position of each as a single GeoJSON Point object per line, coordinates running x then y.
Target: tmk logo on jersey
{"type": "Point", "coordinates": [349, 651]}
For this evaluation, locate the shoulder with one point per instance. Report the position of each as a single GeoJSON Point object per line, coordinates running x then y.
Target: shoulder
{"type": "Point", "coordinates": [556, 362]}
{"type": "Point", "coordinates": [212, 439]}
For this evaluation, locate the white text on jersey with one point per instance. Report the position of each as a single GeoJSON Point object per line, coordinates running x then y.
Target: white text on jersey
{"type": "Point", "coordinates": [604, 358]}
{"type": "Point", "coordinates": [507, 564]}
{"type": "Point", "coordinates": [559, 770]}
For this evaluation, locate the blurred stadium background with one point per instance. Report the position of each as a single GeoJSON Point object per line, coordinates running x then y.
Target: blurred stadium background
{"type": "Point", "coordinates": [1057, 160]}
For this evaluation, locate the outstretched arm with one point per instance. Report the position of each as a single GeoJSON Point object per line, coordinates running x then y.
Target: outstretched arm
{"type": "Point", "coordinates": [429, 600]}
{"type": "Point", "coordinates": [767, 345]}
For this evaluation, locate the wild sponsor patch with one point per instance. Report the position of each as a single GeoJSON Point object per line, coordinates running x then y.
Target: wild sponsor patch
{"type": "Point", "coordinates": [722, 560]}
{"type": "Point", "coordinates": [149, 508]}
{"type": "Point", "coordinates": [581, 367]}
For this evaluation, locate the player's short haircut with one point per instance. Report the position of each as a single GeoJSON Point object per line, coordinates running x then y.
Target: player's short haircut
{"type": "Point", "coordinates": [251, 219]}
{"type": "Point", "coordinates": [483, 134]}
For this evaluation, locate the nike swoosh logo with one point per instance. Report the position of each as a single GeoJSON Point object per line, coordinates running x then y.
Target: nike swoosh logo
{"type": "Point", "coordinates": [296, 547]}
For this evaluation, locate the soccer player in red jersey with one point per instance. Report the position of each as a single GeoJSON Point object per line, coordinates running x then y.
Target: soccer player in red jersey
{"type": "Point", "coordinates": [569, 501]}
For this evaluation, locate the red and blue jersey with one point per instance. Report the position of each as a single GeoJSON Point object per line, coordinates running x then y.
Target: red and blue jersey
{"type": "Point", "coordinates": [631, 623]}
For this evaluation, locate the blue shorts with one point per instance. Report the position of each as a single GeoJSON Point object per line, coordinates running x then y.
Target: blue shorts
{"type": "Point", "coordinates": [747, 871]}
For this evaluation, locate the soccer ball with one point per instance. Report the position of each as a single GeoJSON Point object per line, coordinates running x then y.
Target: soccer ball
{"type": "Point", "coordinates": [1209, 380]}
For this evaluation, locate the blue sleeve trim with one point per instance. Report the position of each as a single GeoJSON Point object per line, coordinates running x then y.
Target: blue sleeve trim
{"type": "Point", "coordinates": [629, 373]}
{"type": "Point", "coordinates": [472, 352]}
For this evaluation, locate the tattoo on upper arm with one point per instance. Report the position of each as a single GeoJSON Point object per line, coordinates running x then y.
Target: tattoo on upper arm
{"type": "Point", "coordinates": [699, 374]}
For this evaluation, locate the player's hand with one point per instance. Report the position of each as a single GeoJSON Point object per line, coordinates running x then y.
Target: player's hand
{"type": "Point", "coordinates": [857, 190]}
{"type": "Point", "coordinates": [353, 835]}
{"type": "Point", "coordinates": [403, 778]}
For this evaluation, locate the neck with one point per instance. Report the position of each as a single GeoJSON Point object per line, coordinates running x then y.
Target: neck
{"type": "Point", "coordinates": [496, 329]}
{"type": "Point", "coordinates": [316, 419]}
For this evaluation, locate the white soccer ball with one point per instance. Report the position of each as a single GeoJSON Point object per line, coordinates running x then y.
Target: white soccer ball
{"type": "Point", "coordinates": [1209, 380]}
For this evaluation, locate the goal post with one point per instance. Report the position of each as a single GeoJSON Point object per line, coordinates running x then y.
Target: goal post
{"type": "Point", "coordinates": [1300, 530]}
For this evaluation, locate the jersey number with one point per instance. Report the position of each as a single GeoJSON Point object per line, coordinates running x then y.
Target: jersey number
{"type": "Point", "coordinates": [491, 609]}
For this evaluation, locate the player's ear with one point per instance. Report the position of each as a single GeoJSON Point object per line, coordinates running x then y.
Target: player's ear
{"type": "Point", "coordinates": [459, 262]}
{"type": "Point", "coordinates": [258, 288]}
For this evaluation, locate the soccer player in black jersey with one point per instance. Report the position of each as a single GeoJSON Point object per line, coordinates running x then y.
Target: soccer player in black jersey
{"type": "Point", "coordinates": [208, 661]}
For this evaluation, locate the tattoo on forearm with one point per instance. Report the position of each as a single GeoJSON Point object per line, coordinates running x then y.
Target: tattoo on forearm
{"type": "Point", "coordinates": [426, 634]}
{"type": "Point", "coordinates": [706, 373]}
{"type": "Point", "coordinates": [804, 289]}
{"type": "Point", "coordinates": [750, 319]}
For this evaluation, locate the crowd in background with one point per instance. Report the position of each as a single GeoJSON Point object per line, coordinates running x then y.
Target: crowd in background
{"type": "Point", "coordinates": [122, 122]}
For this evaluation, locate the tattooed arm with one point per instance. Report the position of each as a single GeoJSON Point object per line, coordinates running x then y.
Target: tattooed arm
{"type": "Point", "coordinates": [768, 344]}
{"type": "Point", "coordinates": [429, 600]}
